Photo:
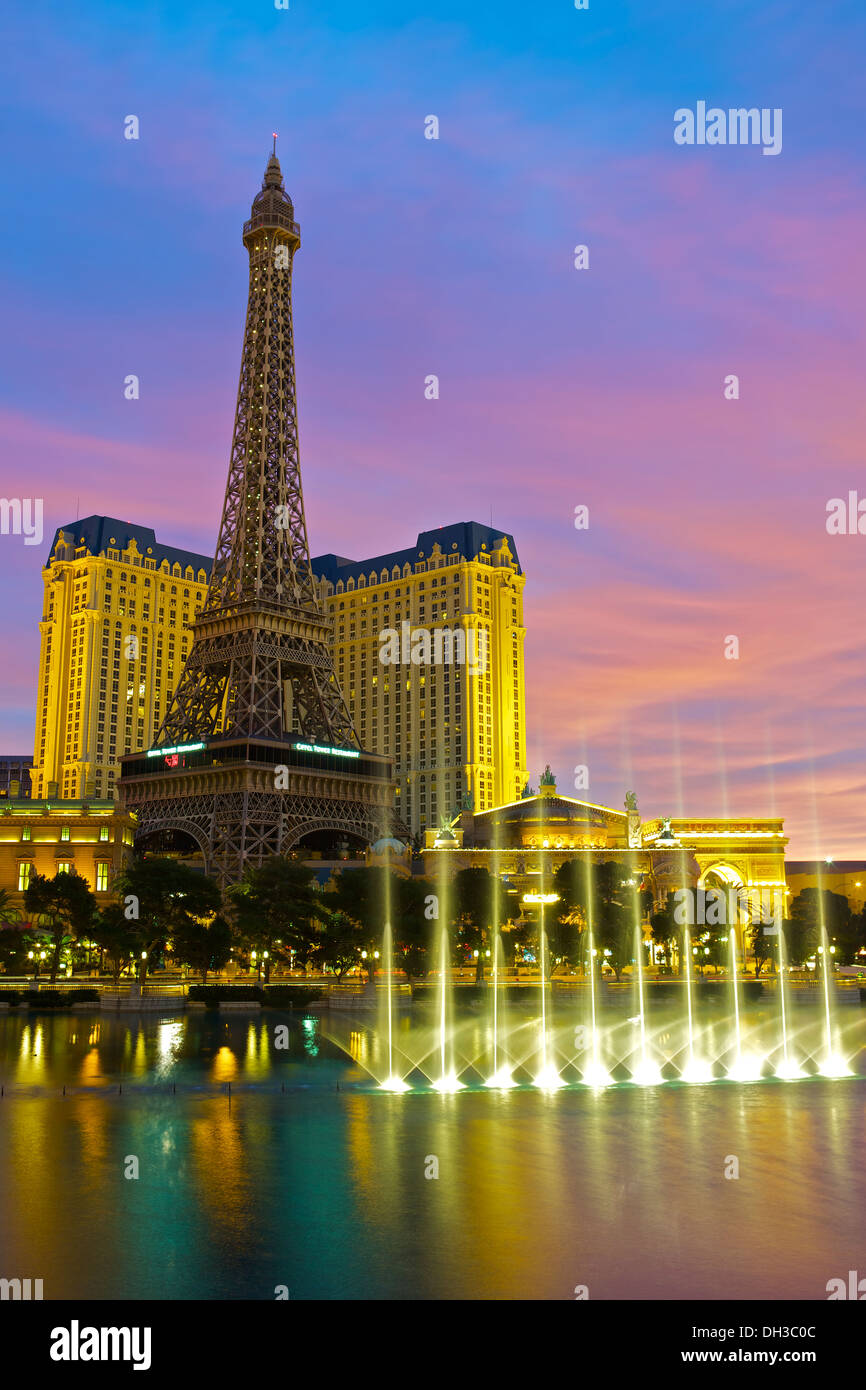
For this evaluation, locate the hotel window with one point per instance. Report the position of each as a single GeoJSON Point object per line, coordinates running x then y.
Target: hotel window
{"type": "Point", "coordinates": [64, 867]}
{"type": "Point", "coordinates": [102, 878]}
{"type": "Point", "coordinates": [25, 833]}
{"type": "Point", "coordinates": [64, 832]}
{"type": "Point", "coordinates": [103, 832]}
{"type": "Point", "coordinates": [24, 872]}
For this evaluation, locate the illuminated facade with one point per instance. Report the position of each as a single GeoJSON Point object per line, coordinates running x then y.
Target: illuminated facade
{"type": "Point", "coordinates": [453, 728]}
{"type": "Point", "coordinates": [114, 636]}
{"type": "Point", "coordinates": [526, 841]}
{"type": "Point", "coordinates": [93, 839]}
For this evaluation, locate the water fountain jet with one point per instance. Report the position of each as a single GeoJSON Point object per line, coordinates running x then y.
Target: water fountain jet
{"type": "Point", "coordinates": [834, 1064]}
{"type": "Point", "coordinates": [696, 1069]}
{"type": "Point", "coordinates": [647, 1072]}
{"type": "Point", "coordinates": [746, 1066]}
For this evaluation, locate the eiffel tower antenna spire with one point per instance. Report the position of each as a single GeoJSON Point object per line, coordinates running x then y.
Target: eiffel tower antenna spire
{"type": "Point", "coordinates": [261, 636]}
{"type": "Point", "coordinates": [259, 675]}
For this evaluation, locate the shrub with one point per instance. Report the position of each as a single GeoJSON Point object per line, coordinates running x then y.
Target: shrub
{"type": "Point", "coordinates": [235, 994]}
{"type": "Point", "coordinates": [291, 996]}
{"type": "Point", "coordinates": [46, 998]}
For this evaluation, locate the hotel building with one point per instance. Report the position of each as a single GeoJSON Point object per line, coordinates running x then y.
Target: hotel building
{"type": "Point", "coordinates": [114, 637]}
{"type": "Point", "coordinates": [115, 633]}
{"type": "Point", "coordinates": [90, 838]}
{"type": "Point", "coordinates": [455, 729]}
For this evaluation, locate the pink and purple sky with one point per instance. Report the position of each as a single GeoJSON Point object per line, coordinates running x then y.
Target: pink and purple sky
{"type": "Point", "coordinates": [558, 387]}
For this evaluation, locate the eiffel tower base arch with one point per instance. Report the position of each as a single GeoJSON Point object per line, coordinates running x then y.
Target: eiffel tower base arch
{"type": "Point", "coordinates": [236, 816]}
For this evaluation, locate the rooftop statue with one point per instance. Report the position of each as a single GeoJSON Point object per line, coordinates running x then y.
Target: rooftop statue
{"type": "Point", "coordinates": [630, 801]}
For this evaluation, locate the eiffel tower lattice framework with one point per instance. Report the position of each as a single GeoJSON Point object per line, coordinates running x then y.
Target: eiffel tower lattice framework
{"type": "Point", "coordinates": [257, 749]}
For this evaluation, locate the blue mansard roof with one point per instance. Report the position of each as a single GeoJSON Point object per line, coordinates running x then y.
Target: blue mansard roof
{"type": "Point", "coordinates": [101, 533]}
{"type": "Point", "coordinates": [464, 538]}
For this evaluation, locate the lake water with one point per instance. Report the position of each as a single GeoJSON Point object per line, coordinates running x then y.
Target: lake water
{"type": "Point", "coordinates": [291, 1181]}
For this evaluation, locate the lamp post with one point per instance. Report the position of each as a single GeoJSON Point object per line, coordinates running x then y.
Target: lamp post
{"type": "Point", "coordinates": [367, 957]}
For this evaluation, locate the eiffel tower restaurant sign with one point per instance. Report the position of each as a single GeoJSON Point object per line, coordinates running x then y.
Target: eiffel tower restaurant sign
{"type": "Point", "coordinates": [257, 754]}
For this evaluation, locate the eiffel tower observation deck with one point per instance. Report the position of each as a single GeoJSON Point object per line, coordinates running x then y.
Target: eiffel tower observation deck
{"type": "Point", "coordinates": [257, 754]}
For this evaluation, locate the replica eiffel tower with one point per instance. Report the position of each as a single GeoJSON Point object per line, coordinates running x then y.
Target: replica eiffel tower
{"type": "Point", "coordinates": [257, 751]}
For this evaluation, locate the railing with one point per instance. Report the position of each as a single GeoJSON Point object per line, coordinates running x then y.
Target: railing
{"type": "Point", "coordinates": [271, 219]}
{"type": "Point", "coordinates": [18, 983]}
{"type": "Point", "coordinates": [26, 983]}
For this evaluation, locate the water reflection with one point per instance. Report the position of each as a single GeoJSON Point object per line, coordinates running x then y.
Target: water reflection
{"type": "Point", "coordinates": [289, 1181]}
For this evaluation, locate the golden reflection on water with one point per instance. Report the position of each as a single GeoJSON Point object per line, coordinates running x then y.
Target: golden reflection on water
{"type": "Point", "coordinates": [359, 1046]}
{"type": "Point", "coordinates": [90, 1071]}
{"type": "Point", "coordinates": [225, 1065]}
{"type": "Point", "coordinates": [91, 1120]}
{"type": "Point", "coordinates": [623, 1190]}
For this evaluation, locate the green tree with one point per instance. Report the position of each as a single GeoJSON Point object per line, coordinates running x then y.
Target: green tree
{"type": "Point", "coordinates": [340, 943]}
{"type": "Point", "coordinates": [362, 895]}
{"type": "Point", "coordinates": [15, 939]}
{"type": "Point", "coordinates": [116, 937]}
{"type": "Point", "coordinates": [714, 948]}
{"type": "Point", "coordinates": [367, 895]}
{"type": "Point", "coordinates": [162, 897]}
{"type": "Point", "coordinates": [765, 946]}
{"type": "Point", "coordinates": [410, 925]}
{"type": "Point", "coordinates": [566, 934]}
{"type": "Point", "coordinates": [275, 909]}
{"type": "Point", "coordinates": [817, 907]}
{"type": "Point", "coordinates": [858, 927]}
{"type": "Point", "coordinates": [609, 905]}
{"type": "Point", "coordinates": [479, 904]}
{"type": "Point", "coordinates": [9, 913]}
{"type": "Point", "coordinates": [203, 946]}
{"type": "Point", "coordinates": [668, 932]}
{"type": "Point", "coordinates": [64, 909]}
{"type": "Point", "coordinates": [15, 942]}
